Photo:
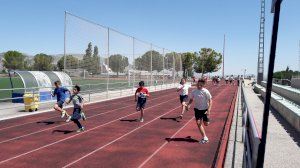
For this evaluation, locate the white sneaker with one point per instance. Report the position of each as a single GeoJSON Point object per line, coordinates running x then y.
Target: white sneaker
{"type": "Point", "coordinates": [63, 113]}
{"type": "Point", "coordinates": [83, 115]}
{"type": "Point", "coordinates": [141, 120]}
{"type": "Point", "coordinates": [80, 129]}
{"type": "Point", "coordinates": [68, 119]}
{"type": "Point", "coordinates": [204, 140]}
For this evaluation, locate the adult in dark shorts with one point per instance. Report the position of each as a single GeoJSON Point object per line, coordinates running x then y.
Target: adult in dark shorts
{"type": "Point", "coordinates": [203, 103]}
{"type": "Point", "coordinates": [140, 97]}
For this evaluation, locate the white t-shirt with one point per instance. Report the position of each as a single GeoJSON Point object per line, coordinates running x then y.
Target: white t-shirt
{"type": "Point", "coordinates": [201, 98]}
{"type": "Point", "coordinates": [185, 89]}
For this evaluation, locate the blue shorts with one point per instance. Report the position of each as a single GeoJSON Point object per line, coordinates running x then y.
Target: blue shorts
{"type": "Point", "coordinates": [141, 103]}
{"type": "Point", "coordinates": [183, 98]}
{"type": "Point", "coordinates": [60, 104]}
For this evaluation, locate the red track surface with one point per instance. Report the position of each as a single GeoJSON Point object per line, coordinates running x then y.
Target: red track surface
{"type": "Point", "coordinates": [112, 137]}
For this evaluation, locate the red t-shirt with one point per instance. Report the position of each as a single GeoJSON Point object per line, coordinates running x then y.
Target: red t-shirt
{"type": "Point", "coordinates": [142, 92]}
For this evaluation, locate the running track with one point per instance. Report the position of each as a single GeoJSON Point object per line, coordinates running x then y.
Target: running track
{"type": "Point", "coordinates": [114, 139]}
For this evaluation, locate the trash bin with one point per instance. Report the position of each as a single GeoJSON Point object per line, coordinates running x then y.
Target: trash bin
{"type": "Point", "coordinates": [31, 101]}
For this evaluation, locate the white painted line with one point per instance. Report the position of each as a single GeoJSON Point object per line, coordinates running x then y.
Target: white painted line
{"type": "Point", "coordinates": [164, 144]}
{"type": "Point", "coordinates": [22, 136]}
{"type": "Point", "coordinates": [118, 138]}
{"type": "Point", "coordinates": [42, 147]}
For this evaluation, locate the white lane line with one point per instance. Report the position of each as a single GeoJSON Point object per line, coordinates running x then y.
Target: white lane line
{"type": "Point", "coordinates": [56, 116]}
{"type": "Point", "coordinates": [69, 107]}
{"type": "Point", "coordinates": [42, 147]}
{"type": "Point", "coordinates": [94, 151]}
{"type": "Point", "coordinates": [22, 136]}
{"type": "Point", "coordinates": [164, 144]}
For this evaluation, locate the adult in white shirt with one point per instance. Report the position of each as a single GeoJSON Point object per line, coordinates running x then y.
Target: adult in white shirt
{"type": "Point", "coordinates": [183, 88]}
{"type": "Point", "coordinates": [203, 103]}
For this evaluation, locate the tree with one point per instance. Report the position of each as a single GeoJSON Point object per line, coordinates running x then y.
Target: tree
{"type": "Point", "coordinates": [118, 63]}
{"type": "Point", "coordinates": [208, 61]}
{"type": "Point", "coordinates": [170, 58]}
{"type": "Point", "coordinates": [96, 62]}
{"type": "Point", "coordinates": [87, 58]}
{"type": "Point", "coordinates": [144, 62]}
{"type": "Point", "coordinates": [71, 62]}
{"type": "Point", "coordinates": [14, 60]}
{"type": "Point", "coordinates": [43, 62]}
{"type": "Point", "coordinates": [187, 63]}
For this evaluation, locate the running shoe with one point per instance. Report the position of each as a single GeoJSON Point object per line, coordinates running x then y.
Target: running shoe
{"type": "Point", "coordinates": [204, 140]}
{"type": "Point", "coordinates": [141, 120]}
{"type": "Point", "coordinates": [181, 116]}
{"type": "Point", "coordinates": [63, 113]}
{"type": "Point", "coordinates": [80, 129]}
{"type": "Point", "coordinates": [83, 115]}
{"type": "Point", "coordinates": [68, 119]}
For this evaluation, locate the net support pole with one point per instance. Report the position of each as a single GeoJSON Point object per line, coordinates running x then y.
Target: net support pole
{"type": "Point", "coordinates": [65, 36]}
{"type": "Point", "coordinates": [107, 76]}
{"type": "Point", "coordinates": [262, 145]}
{"type": "Point", "coordinates": [163, 81]}
{"type": "Point", "coordinates": [173, 71]}
{"type": "Point", "coordinates": [151, 68]}
{"type": "Point", "coordinates": [133, 45]}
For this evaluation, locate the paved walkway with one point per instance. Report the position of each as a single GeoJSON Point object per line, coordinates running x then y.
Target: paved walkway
{"type": "Point", "coordinates": [12, 110]}
{"type": "Point", "coordinates": [283, 141]}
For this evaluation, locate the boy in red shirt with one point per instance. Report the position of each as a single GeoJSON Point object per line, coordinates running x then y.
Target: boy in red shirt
{"type": "Point", "coordinates": [141, 95]}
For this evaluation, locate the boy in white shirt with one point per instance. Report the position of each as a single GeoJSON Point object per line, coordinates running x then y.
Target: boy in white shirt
{"type": "Point", "coordinates": [203, 103]}
{"type": "Point", "coordinates": [183, 97]}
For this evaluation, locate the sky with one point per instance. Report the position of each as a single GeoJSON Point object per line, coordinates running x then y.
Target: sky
{"type": "Point", "coordinates": [35, 26]}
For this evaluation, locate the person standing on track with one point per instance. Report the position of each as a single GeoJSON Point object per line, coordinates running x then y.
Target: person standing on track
{"type": "Point", "coordinates": [140, 97]}
{"type": "Point", "coordinates": [203, 103]}
{"type": "Point", "coordinates": [60, 93]}
{"type": "Point", "coordinates": [78, 107]}
{"type": "Point", "coordinates": [183, 97]}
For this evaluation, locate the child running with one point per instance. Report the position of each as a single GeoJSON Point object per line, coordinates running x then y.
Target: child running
{"type": "Point", "coordinates": [203, 103]}
{"type": "Point", "coordinates": [183, 97]}
{"type": "Point", "coordinates": [141, 95]}
{"type": "Point", "coordinates": [78, 106]}
{"type": "Point", "coordinates": [60, 93]}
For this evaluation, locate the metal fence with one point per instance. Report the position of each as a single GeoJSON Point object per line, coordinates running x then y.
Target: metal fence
{"type": "Point", "coordinates": [104, 62]}
{"type": "Point", "coordinates": [96, 53]}
{"type": "Point", "coordinates": [251, 136]}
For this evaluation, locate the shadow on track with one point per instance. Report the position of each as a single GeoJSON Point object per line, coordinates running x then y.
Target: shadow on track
{"type": "Point", "coordinates": [63, 131]}
{"type": "Point", "coordinates": [49, 122]}
{"type": "Point", "coordinates": [186, 139]}
{"type": "Point", "coordinates": [130, 120]}
{"type": "Point", "coordinates": [170, 118]}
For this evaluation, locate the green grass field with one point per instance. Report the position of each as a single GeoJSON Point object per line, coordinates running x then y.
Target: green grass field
{"type": "Point", "coordinates": [93, 85]}
{"type": "Point", "coordinates": [87, 84]}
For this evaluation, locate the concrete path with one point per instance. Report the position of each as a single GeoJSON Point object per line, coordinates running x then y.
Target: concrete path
{"type": "Point", "coordinates": [283, 141]}
{"type": "Point", "coordinates": [12, 110]}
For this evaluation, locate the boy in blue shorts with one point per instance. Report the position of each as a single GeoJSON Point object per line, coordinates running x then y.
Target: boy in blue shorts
{"type": "Point", "coordinates": [78, 106]}
{"type": "Point", "coordinates": [60, 93]}
{"type": "Point", "coordinates": [141, 95]}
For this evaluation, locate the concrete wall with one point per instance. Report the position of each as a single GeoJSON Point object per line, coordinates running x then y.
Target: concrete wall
{"type": "Point", "coordinates": [288, 111]}
{"type": "Point", "coordinates": [296, 83]}
{"type": "Point", "coordinates": [286, 92]}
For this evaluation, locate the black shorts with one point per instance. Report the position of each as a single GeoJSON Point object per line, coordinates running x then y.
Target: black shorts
{"type": "Point", "coordinates": [141, 103]}
{"type": "Point", "coordinates": [183, 98]}
{"type": "Point", "coordinates": [200, 115]}
{"type": "Point", "coordinates": [76, 114]}
{"type": "Point", "coordinates": [60, 104]}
